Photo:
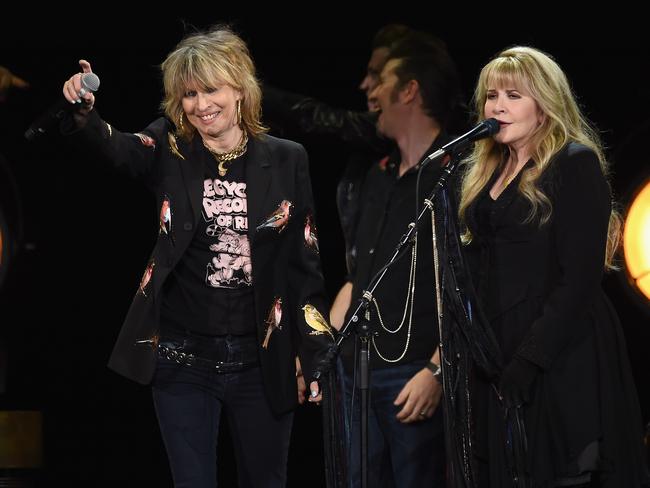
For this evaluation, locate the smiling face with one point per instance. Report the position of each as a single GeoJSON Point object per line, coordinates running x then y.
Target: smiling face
{"type": "Point", "coordinates": [212, 111]}
{"type": "Point", "coordinates": [518, 114]}
{"type": "Point", "coordinates": [375, 65]}
{"type": "Point", "coordinates": [386, 96]}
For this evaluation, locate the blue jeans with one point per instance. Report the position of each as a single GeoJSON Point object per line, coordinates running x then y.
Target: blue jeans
{"type": "Point", "coordinates": [189, 401]}
{"type": "Point", "coordinates": [399, 455]}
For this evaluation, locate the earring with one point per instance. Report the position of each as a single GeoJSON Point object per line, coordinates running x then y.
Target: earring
{"type": "Point", "coordinates": [239, 112]}
{"type": "Point", "coordinates": [180, 122]}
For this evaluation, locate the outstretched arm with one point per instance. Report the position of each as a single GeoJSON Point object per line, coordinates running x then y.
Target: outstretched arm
{"type": "Point", "coordinates": [311, 116]}
{"type": "Point", "coordinates": [129, 153]}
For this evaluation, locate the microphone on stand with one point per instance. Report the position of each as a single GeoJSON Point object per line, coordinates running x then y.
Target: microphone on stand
{"type": "Point", "coordinates": [486, 128]}
{"type": "Point", "coordinates": [89, 83]}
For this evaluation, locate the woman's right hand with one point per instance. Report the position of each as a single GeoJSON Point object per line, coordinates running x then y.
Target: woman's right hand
{"type": "Point", "coordinates": [72, 89]}
{"type": "Point", "coordinates": [516, 382]}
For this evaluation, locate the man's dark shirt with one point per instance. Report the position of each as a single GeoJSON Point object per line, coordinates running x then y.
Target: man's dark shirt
{"type": "Point", "coordinates": [388, 205]}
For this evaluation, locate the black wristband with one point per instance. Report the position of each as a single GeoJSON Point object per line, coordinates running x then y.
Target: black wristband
{"type": "Point", "coordinates": [435, 369]}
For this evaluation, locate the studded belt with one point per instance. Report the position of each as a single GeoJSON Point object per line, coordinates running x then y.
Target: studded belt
{"type": "Point", "coordinates": [176, 352]}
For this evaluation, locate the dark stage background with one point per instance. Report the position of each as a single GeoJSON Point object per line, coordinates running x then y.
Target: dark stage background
{"type": "Point", "coordinates": [88, 232]}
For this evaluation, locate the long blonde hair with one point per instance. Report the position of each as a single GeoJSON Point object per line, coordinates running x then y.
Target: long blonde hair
{"type": "Point", "coordinates": [207, 59]}
{"type": "Point", "coordinates": [537, 74]}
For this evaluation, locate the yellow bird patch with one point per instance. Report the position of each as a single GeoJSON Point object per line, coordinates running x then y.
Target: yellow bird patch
{"type": "Point", "coordinates": [316, 321]}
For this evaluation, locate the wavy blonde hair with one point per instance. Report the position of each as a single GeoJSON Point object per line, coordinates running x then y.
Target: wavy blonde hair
{"type": "Point", "coordinates": [537, 74]}
{"type": "Point", "coordinates": [207, 59]}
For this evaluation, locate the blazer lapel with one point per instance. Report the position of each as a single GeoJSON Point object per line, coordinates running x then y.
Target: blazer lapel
{"type": "Point", "coordinates": [193, 174]}
{"type": "Point", "coordinates": [258, 182]}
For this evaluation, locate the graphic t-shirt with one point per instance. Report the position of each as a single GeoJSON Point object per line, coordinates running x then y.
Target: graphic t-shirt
{"type": "Point", "coordinates": [210, 289]}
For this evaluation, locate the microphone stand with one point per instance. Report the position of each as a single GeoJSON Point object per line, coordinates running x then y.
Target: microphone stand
{"type": "Point", "coordinates": [362, 326]}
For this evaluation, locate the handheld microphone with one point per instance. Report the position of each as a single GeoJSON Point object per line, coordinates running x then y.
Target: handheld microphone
{"type": "Point", "coordinates": [89, 83]}
{"type": "Point", "coordinates": [484, 129]}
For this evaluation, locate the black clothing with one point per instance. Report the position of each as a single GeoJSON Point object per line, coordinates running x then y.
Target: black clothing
{"type": "Point", "coordinates": [388, 206]}
{"type": "Point", "coordinates": [314, 117]}
{"type": "Point", "coordinates": [403, 313]}
{"type": "Point", "coordinates": [190, 403]}
{"type": "Point", "coordinates": [516, 380]}
{"type": "Point", "coordinates": [540, 289]}
{"type": "Point", "coordinates": [285, 266]}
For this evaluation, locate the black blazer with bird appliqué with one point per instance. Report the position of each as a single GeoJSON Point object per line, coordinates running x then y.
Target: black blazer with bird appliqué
{"type": "Point", "coordinates": [285, 261]}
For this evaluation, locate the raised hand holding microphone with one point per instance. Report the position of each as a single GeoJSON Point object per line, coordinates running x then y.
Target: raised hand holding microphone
{"type": "Point", "coordinates": [78, 99]}
{"type": "Point", "coordinates": [80, 87]}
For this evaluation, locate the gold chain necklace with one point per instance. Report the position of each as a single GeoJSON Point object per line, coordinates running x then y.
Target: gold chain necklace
{"type": "Point", "coordinates": [223, 158]}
